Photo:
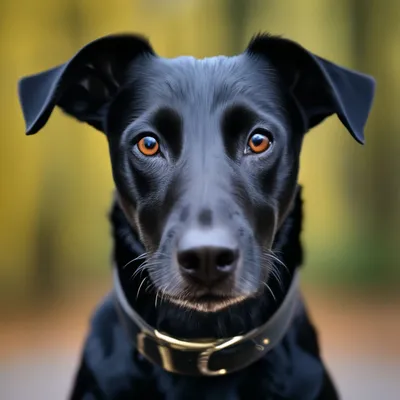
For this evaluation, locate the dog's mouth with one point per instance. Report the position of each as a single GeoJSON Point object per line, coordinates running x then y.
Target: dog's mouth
{"type": "Point", "coordinates": [192, 295]}
{"type": "Point", "coordinates": [207, 302]}
{"type": "Point", "coordinates": [209, 299]}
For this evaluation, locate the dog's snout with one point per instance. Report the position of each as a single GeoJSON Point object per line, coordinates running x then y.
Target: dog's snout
{"type": "Point", "coordinates": [207, 256]}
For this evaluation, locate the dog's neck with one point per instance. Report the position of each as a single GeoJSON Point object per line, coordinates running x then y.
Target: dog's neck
{"type": "Point", "coordinates": [225, 323]}
{"type": "Point", "coordinates": [290, 370]}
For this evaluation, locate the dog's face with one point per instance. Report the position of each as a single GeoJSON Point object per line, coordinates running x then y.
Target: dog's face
{"type": "Point", "coordinates": [205, 159]}
{"type": "Point", "coordinates": [205, 153]}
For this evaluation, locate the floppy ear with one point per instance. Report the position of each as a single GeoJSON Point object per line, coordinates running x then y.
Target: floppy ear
{"type": "Point", "coordinates": [84, 86]}
{"type": "Point", "coordinates": [319, 87]}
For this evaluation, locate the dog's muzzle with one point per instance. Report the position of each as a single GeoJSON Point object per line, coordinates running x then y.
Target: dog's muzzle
{"type": "Point", "coordinates": [205, 357]}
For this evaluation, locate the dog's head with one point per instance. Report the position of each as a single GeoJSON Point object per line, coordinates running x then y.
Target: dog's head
{"type": "Point", "coordinates": [205, 153]}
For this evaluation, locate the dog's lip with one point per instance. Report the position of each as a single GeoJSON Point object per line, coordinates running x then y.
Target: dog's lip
{"type": "Point", "coordinates": [211, 298]}
{"type": "Point", "coordinates": [206, 296]}
{"type": "Point", "coordinates": [209, 302]}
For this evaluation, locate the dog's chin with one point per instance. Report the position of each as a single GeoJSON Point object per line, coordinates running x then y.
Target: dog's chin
{"type": "Point", "coordinates": [207, 303]}
{"type": "Point", "coordinates": [205, 300]}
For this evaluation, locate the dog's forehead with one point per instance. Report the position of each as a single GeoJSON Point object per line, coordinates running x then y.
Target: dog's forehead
{"type": "Point", "coordinates": [210, 80]}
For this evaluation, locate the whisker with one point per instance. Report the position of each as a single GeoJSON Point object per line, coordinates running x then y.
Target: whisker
{"type": "Point", "coordinates": [140, 286]}
{"type": "Point", "coordinates": [155, 300]}
{"type": "Point", "coordinates": [276, 275]}
{"type": "Point", "coordinates": [270, 290]}
{"type": "Point", "coordinates": [135, 259]}
{"type": "Point", "coordinates": [163, 293]}
{"type": "Point", "coordinates": [147, 264]}
{"type": "Point", "coordinates": [139, 270]}
{"type": "Point", "coordinates": [275, 258]}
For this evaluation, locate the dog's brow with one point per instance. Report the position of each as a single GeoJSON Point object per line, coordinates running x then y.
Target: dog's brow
{"type": "Point", "coordinates": [237, 118]}
{"type": "Point", "coordinates": [167, 119]}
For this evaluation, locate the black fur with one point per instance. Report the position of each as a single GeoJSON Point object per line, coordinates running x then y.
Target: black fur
{"type": "Point", "coordinates": [216, 207]}
{"type": "Point", "coordinates": [112, 369]}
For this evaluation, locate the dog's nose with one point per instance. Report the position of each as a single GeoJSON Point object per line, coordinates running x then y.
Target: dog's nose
{"type": "Point", "coordinates": [207, 256]}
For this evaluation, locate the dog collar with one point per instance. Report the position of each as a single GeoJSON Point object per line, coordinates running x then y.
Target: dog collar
{"type": "Point", "coordinates": [205, 357]}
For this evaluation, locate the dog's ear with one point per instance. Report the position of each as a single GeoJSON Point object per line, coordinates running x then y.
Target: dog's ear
{"type": "Point", "coordinates": [319, 87]}
{"type": "Point", "coordinates": [84, 86]}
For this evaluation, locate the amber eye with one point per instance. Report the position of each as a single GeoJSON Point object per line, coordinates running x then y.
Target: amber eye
{"type": "Point", "coordinates": [148, 145]}
{"type": "Point", "coordinates": [259, 142]}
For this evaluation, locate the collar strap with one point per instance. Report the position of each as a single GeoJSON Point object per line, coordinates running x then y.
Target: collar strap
{"type": "Point", "coordinates": [200, 357]}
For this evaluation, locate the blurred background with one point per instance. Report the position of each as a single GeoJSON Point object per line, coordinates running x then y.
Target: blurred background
{"type": "Point", "coordinates": [56, 187]}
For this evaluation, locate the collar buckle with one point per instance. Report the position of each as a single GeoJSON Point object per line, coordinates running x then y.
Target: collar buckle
{"type": "Point", "coordinates": [167, 351]}
{"type": "Point", "coordinates": [204, 357]}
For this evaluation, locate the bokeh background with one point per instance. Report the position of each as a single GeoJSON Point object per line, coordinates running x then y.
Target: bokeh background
{"type": "Point", "coordinates": [56, 187]}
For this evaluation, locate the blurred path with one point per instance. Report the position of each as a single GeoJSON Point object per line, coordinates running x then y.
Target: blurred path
{"type": "Point", "coordinates": [39, 350]}
{"type": "Point", "coordinates": [48, 376]}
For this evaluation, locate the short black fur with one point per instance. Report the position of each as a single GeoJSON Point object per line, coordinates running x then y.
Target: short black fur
{"type": "Point", "coordinates": [291, 371]}
{"type": "Point", "coordinates": [207, 214]}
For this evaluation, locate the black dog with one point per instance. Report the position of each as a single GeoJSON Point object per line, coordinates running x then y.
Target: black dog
{"type": "Point", "coordinates": [207, 216]}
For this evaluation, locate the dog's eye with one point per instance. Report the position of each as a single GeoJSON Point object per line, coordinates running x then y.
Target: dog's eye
{"type": "Point", "coordinates": [148, 145]}
{"type": "Point", "coordinates": [259, 141]}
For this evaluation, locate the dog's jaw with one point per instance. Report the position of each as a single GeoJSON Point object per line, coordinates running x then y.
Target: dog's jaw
{"type": "Point", "coordinates": [219, 320]}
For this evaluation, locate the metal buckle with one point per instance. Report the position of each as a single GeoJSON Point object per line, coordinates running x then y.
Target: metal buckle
{"type": "Point", "coordinates": [204, 357]}
{"type": "Point", "coordinates": [165, 343]}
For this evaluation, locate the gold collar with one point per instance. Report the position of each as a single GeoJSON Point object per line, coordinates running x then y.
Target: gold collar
{"type": "Point", "coordinates": [205, 357]}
